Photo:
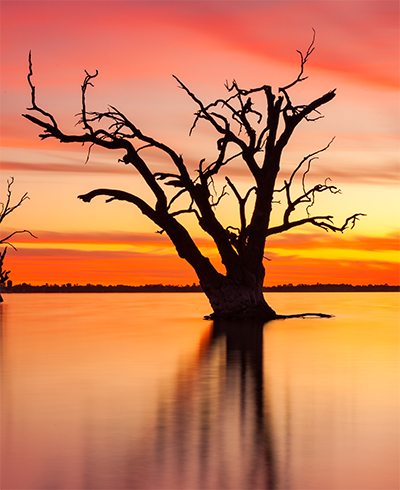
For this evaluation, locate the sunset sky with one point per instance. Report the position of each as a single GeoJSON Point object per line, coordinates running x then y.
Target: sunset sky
{"type": "Point", "coordinates": [137, 46]}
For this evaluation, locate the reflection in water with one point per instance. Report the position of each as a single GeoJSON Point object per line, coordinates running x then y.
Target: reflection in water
{"type": "Point", "coordinates": [221, 435]}
{"type": "Point", "coordinates": [6, 419]}
{"type": "Point", "coordinates": [115, 391]}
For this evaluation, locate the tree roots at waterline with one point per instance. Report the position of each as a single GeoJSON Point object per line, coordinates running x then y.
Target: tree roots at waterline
{"type": "Point", "coordinates": [263, 313]}
{"type": "Point", "coordinates": [264, 316]}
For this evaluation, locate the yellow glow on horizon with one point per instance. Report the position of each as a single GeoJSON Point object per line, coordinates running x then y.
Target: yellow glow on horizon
{"type": "Point", "coordinates": [341, 254]}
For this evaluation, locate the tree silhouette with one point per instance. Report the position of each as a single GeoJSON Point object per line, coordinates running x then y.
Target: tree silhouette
{"type": "Point", "coordinates": [255, 138]}
{"type": "Point", "coordinates": [6, 209]}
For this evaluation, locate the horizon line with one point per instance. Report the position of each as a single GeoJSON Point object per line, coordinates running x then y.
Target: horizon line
{"type": "Point", "coordinates": [192, 286]}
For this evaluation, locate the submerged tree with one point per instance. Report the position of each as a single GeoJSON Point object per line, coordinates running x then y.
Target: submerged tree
{"type": "Point", "coordinates": [6, 209]}
{"type": "Point", "coordinates": [255, 138]}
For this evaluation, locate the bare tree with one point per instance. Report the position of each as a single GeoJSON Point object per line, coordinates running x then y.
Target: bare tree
{"type": "Point", "coordinates": [256, 139]}
{"type": "Point", "coordinates": [6, 209]}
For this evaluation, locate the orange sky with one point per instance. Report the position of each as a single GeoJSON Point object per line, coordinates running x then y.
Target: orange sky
{"type": "Point", "coordinates": [137, 46]}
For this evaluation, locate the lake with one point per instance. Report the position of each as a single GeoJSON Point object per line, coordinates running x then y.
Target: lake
{"type": "Point", "coordinates": [137, 391]}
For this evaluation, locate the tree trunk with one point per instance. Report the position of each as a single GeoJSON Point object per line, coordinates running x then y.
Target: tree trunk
{"type": "Point", "coordinates": [238, 295]}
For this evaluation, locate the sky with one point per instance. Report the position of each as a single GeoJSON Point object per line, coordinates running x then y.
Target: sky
{"type": "Point", "coordinates": [137, 46]}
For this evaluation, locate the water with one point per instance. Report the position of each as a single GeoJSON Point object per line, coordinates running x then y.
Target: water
{"type": "Point", "coordinates": [137, 391]}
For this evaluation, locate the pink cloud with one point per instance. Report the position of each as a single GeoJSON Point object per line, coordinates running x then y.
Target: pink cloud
{"type": "Point", "coordinates": [65, 167]}
{"type": "Point", "coordinates": [355, 38]}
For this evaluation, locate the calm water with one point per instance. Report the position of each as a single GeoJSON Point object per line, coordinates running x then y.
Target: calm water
{"type": "Point", "coordinates": [136, 391]}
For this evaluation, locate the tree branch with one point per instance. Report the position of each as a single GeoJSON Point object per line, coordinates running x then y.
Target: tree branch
{"type": "Point", "coordinates": [6, 207]}
{"type": "Point", "coordinates": [305, 197]}
{"type": "Point", "coordinates": [324, 222]}
{"type": "Point", "coordinates": [121, 196]}
{"type": "Point", "coordinates": [211, 117]}
{"type": "Point", "coordinates": [303, 61]}
{"type": "Point", "coordinates": [5, 239]}
{"type": "Point", "coordinates": [33, 95]}
{"type": "Point", "coordinates": [242, 203]}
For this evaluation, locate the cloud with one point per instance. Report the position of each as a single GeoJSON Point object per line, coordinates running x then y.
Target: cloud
{"type": "Point", "coordinates": [97, 237]}
{"type": "Point", "coordinates": [297, 270]}
{"type": "Point", "coordinates": [384, 174]}
{"type": "Point", "coordinates": [48, 265]}
{"type": "Point", "coordinates": [363, 31]}
{"type": "Point", "coordinates": [56, 167]}
{"type": "Point", "coordinates": [39, 266]}
{"type": "Point", "coordinates": [148, 243]}
{"type": "Point", "coordinates": [354, 38]}
{"type": "Point", "coordinates": [308, 241]}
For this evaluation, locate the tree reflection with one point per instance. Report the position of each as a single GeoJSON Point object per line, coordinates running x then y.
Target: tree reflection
{"type": "Point", "coordinates": [244, 343]}
{"type": "Point", "coordinates": [215, 430]}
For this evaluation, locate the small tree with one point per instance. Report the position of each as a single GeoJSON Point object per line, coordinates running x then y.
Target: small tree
{"type": "Point", "coordinates": [6, 209]}
{"type": "Point", "coordinates": [257, 139]}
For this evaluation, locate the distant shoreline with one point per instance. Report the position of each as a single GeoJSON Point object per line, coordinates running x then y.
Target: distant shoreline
{"type": "Point", "coordinates": [160, 288]}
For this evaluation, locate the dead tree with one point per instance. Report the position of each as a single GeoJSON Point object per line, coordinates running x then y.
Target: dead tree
{"type": "Point", "coordinates": [6, 209]}
{"type": "Point", "coordinates": [255, 138]}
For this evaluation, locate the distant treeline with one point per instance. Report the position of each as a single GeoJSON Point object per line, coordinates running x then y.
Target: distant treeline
{"type": "Point", "coordinates": [100, 288]}
{"type": "Point", "coordinates": [332, 288]}
{"type": "Point", "coordinates": [161, 288]}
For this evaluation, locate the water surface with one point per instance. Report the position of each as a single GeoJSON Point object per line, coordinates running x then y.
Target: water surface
{"type": "Point", "coordinates": [137, 391]}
